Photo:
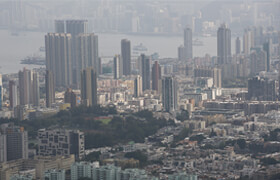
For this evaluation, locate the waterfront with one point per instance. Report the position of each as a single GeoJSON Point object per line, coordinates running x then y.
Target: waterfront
{"type": "Point", "coordinates": [15, 48]}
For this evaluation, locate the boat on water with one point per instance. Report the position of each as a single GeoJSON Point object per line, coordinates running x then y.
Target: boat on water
{"type": "Point", "coordinates": [34, 60]}
{"type": "Point", "coordinates": [197, 42]}
{"type": "Point", "coordinates": [140, 47]}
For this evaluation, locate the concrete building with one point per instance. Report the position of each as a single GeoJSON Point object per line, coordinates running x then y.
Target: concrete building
{"type": "Point", "coordinates": [81, 169]}
{"type": "Point", "coordinates": [50, 88]}
{"type": "Point", "coordinates": [13, 94]}
{"type": "Point", "coordinates": [87, 53]}
{"type": "Point", "coordinates": [22, 177]}
{"type": "Point", "coordinates": [53, 174]}
{"type": "Point", "coordinates": [118, 67]}
{"type": "Point", "coordinates": [224, 45]}
{"type": "Point", "coordinates": [28, 87]}
{"type": "Point", "coordinates": [188, 43]}
{"type": "Point", "coordinates": [248, 41]}
{"type": "Point", "coordinates": [70, 97]}
{"type": "Point", "coordinates": [156, 76]}
{"type": "Point", "coordinates": [89, 87]}
{"type": "Point", "coordinates": [60, 142]}
{"type": "Point", "coordinates": [169, 94]}
{"type": "Point", "coordinates": [138, 86]}
{"type": "Point", "coordinates": [14, 143]}
{"type": "Point", "coordinates": [258, 61]}
{"type": "Point", "coordinates": [145, 72]}
{"type": "Point", "coordinates": [59, 57]}
{"type": "Point", "coordinates": [237, 46]}
{"type": "Point", "coordinates": [126, 56]}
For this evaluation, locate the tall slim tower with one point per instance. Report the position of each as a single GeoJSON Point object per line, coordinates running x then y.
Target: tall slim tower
{"type": "Point", "coordinates": [87, 53]}
{"type": "Point", "coordinates": [13, 94]}
{"type": "Point", "coordinates": [266, 48]}
{"type": "Point", "coordinates": [237, 46]}
{"type": "Point", "coordinates": [224, 45]}
{"type": "Point", "coordinates": [138, 86]}
{"type": "Point", "coordinates": [1, 92]}
{"type": "Point", "coordinates": [126, 55]}
{"type": "Point", "coordinates": [50, 90]}
{"type": "Point", "coordinates": [59, 26]}
{"type": "Point", "coordinates": [248, 41]}
{"type": "Point", "coordinates": [118, 67]}
{"type": "Point", "coordinates": [28, 87]}
{"type": "Point", "coordinates": [169, 94]}
{"type": "Point", "coordinates": [145, 72]}
{"type": "Point", "coordinates": [156, 76]}
{"type": "Point", "coordinates": [188, 43]}
{"type": "Point", "coordinates": [89, 87]}
{"type": "Point", "coordinates": [58, 57]}
{"type": "Point", "coordinates": [75, 27]}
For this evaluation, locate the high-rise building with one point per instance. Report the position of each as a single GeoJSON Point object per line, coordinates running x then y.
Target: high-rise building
{"type": "Point", "coordinates": [3, 147]}
{"type": "Point", "coordinates": [138, 86]}
{"type": "Point", "coordinates": [13, 94]}
{"type": "Point", "coordinates": [169, 94]}
{"type": "Point", "coordinates": [81, 169]}
{"type": "Point", "coordinates": [53, 174]}
{"type": "Point", "coordinates": [118, 66]}
{"type": "Point", "coordinates": [237, 46]}
{"type": "Point", "coordinates": [182, 53]}
{"type": "Point", "coordinates": [1, 92]}
{"type": "Point", "coordinates": [70, 97]}
{"type": "Point", "coordinates": [217, 77]}
{"type": "Point", "coordinates": [28, 87]}
{"type": "Point", "coordinates": [126, 56]}
{"type": "Point", "coordinates": [248, 41]}
{"type": "Point", "coordinates": [188, 43]}
{"type": "Point", "coordinates": [258, 61]}
{"type": "Point", "coordinates": [145, 72]}
{"type": "Point", "coordinates": [58, 58]}
{"type": "Point", "coordinates": [224, 45]}
{"type": "Point", "coordinates": [60, 142]}
{"type": "Point", "coordinates": [50, 91]}
{"type": "Point", "coordinates": [89, 87]}
{"type": "Point", "coordinates": [86, 53]}
{"type": "Point", "coordinates": [14, 141]}
{"type": "Point", "coordinates": [59, 26]}
{"type": "Point", "coordinates": [266, 48]}
{"type": "Point", "coordinates": [262, 89]}
{"type": "Point", "coordinates": [156, 76]}
{"type": "Point", "coordinates": [76, 27]}
{"type": "Point", "coordinates": [21, 177]}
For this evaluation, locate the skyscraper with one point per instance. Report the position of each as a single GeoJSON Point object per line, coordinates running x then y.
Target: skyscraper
{"type": "Point", "coordinates": [237, 46]}
{"type": "Point", "coordinates": [126, 56]}
{"type": "Point", "coordinates": [266, 48]}
{"type": "Point", "coordinates": [89, 87]}
{"type": "Point", "coordinates": [156, 76]}
{"type": "Point", "coordinates": [188, 43]}
{"type": "Point", "coordinates": [87, 53]}
{"type": "Point", "coordinates": [118, 67]}
{"type": "Point", "coordinates": [224, 45]}
{"type": "Point", "coordinates": [169, 94]}
{"type": "Point", "coordinates": [50, 91]}
{"type": "Point", "coordinates": [59, 26]}
{"type": "Point", "coordinates": [248, 41]}
{"type": "Point", "coordinates": [182, 53]}
{"type": "Point", "coordinates": [76, 27]}
{"type": "Point", "coordinates": [138, 86]}
{"type": "Point", "coordinates": [258, 61]}
{"type": "Point", "coordinates": [58, 57]}
{"type": "Point", "coordinates": [70, 97]}
{"type": "Point", "coordinates": [13, 94]}
{"type": "Point", "coordinates": [1, 92]}
{"type": "Point", "coordinates": [16, 143]}
{"type": "Point", "coordinates": [28, 87]}
{"type": "Point", "coordinates": [145, 72]}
